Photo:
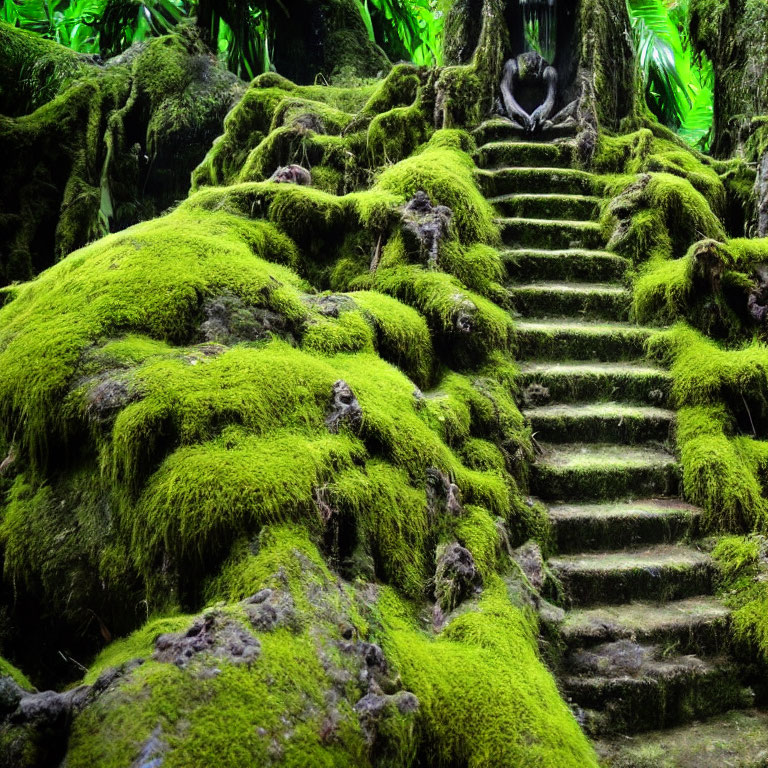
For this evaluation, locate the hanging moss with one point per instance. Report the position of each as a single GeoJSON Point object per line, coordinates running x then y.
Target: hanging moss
{"type": "Point", "coordinates": [716, 391]}
{"type": "Point", "coordinates": [99, 147]}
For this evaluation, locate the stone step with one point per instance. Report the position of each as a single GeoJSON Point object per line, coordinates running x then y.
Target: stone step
{"type": "Point", "coordinates": [692, 625]}
{"type": "Point", "coordinates": [569, 339]}
{"type": "Point", "coordinates": [501, 129]}
{"type": "Point", "coordinates": [530, 154]}
{"type": "Point", "coordinates": [737, 739]}
{"type": "Point", "coordinates": [606, 422]}
{"type": "Point", "coordinates": [625, 687]}
{"type": "Point", "coordinates": [565, 264]}
{"type": "Point", "coordinates": [551, 233]}
{"type": "Point", "coordinates": [603, 471]}
{"type": "Point", "coordinates": [563, 181]}
{"type": "Point", "coordinates": [573, 381]}
{"type": "Point", "coordinates": [661, 572]}
{"type": "Point", "coordinates": [600, 301]}
{"type": "Point", "coordinates": [620, 524]}
{"type": "Point", "coordinates": [580, 207]}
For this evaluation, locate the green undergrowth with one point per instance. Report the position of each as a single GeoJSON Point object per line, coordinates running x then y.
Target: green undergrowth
{"type": "Point", "coordinates": [485, 697]}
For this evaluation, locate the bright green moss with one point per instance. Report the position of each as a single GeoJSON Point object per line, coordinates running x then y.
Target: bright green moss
{"type": "Point", "coordinates": [203, 496]}
{"type": "Point", "coordinates": [249, 568]}
{"type": "Point", "coordinates": [708, 286]}
{"type": "Point", "coordinates": [478, 532]}
{"type": "Point", "coordinates": [8, 670]}
{"type": "Point", "coordinates": [129, 351]}
{"type": "Point", "coordinates": [662, 291]}
{"type": "Point", "coordinates": [663, 216]}
{"type": "Point", "coordinates": [447, 414]}
{"type": "Point", "coordinates": [192, 510]}
{"type": "Point", "coordinates": [348, 333]}
{"type": "Point", "coordinates": [272, 102]}
{"type": "Point", "coordinates": [704, 372]}
{"type": "Point", "coordinates": [391, 523]}
{"type": "Point", "coordinates": [449, 309]}
{"type": "Point", "coordinates": [444, 170]}
{"type": "Point", "coordinates": [138, 645]}
{"type": "Point", "coordinates": [222, 714]}
{"type": "Point", "coordinates": [482, 454]}
{"type": "Point", "coordinates": [261, 388]}
{"type": "Point", "coordinates": [398, 89]}
{"type": "Point", "coordinates": [327, 118]}
{"type": "Point", "coordinates": [741, 562]}
{"type": "Point", "coordinates": [393, 135]}
{"type": "Point", "coordinates": [645, 152]}
{"type": "Point", "coordinates": [95, 294]}
{"type": "Point", "coordinates": [720, 472]}
{"type": "Point", "coordinates": [486, 698]}
{"type": "Point", "coordinates": [480, 268]}
{"type": "Point", "coordinates": [402, 335]}
{"type": "Point", "coordinates": [218, 712]}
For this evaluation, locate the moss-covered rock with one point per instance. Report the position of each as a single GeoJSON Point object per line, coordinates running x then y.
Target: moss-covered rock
{"type": "Point", "coordinates": [286, 672]}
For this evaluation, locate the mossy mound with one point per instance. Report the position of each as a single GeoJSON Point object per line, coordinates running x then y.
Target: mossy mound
{"type": "Point", "coordinates": [342, 134]}
{"type": "Point", "coordinates": [742, 560]}
{"type": "Point", "coordinates": [193, 416]}
{"type": "Point", "coordinates": [307, 670]}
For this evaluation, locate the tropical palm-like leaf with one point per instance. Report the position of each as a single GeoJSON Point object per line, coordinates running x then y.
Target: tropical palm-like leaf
{"type": "Point", "coordinates": [406, 29]}
{"type": "Point", "coordinates": [678, 91]}
{"type": "Point", "coordinates": [240, 31]}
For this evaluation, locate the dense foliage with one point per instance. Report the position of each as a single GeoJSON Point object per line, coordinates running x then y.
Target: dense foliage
{"type": "Point", "coordinates": [242, 33]}
{"type": "Point", "coordinates": [678, 85]}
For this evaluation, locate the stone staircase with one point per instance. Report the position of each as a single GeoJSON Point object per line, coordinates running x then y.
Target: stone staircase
{"type": "Point", "coordinates": [643, 637]}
